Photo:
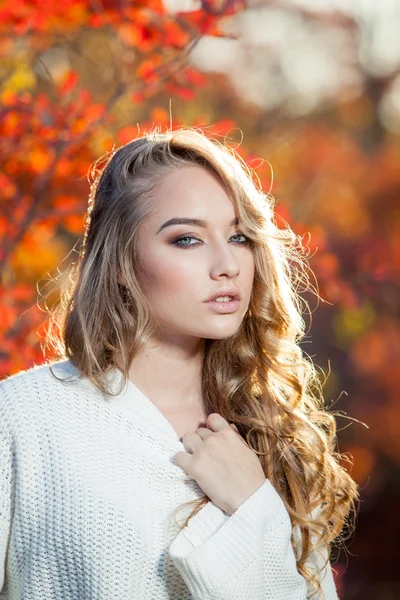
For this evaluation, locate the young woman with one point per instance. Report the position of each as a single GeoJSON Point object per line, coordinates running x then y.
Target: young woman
{"type": "Point", "coordinates": [178, 380]}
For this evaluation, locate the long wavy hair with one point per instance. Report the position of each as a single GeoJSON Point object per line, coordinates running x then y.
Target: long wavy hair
{"type": "Point", "coordinates": [258, 378]}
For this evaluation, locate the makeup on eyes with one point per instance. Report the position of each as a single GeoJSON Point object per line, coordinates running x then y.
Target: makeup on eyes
{"type": "Point", "coordinates": [176, 241]}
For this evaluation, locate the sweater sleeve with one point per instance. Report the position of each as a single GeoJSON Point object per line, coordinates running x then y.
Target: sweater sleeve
{"type": "Point", "coordinates": [6, 470]}
{"type": "Point", "coordinates": [246, 555]}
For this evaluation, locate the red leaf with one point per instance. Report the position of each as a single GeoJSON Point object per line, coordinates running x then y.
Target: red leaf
{"type": "Point", "coordinates": [69, 82]}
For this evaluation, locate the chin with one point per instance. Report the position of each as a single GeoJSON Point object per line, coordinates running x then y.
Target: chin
{"type": "Point", "coordinates": [222, 333]}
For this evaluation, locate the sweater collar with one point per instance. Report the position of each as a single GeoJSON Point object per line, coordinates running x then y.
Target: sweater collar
{"type": "Point", "coordinates": [131, 398]}
{"type": "Point", "coordinates": [132, 402]}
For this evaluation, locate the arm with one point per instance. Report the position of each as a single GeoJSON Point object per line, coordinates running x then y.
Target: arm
{"type": "Point", "coordinates": [246, 555]}
{"type": "Point", "coordinates": [6, 456]}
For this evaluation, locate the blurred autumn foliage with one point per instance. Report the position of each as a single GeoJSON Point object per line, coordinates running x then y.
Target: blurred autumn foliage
{"type": "Point", "coordinates": [78, 78]}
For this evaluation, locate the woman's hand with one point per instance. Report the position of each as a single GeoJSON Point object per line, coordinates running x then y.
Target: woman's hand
{"type": "Point", "coordinates": [221, 462]}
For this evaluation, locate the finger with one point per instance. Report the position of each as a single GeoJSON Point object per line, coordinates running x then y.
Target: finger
{"type": "Point", "coordinates": [237, 430]}
{"type": "Point", "coordinates": [216, 422]}
{"type": "Point", "coordinates": [203, 432]}
{"type": "Point", "coordinates": [191, 441]}
{"type": "Point", "coordinates": [184, 461]}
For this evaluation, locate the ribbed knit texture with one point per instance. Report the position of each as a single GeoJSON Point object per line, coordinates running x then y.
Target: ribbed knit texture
{"type": "Point", "coordinates": [88, 488]}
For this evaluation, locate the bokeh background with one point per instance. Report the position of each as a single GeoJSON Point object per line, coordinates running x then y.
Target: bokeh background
{"type": "Point", "coordinates": [308, 92]}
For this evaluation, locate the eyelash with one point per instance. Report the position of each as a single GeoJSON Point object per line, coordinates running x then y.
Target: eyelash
{"type": "Point", "coordinates": [189, 237]}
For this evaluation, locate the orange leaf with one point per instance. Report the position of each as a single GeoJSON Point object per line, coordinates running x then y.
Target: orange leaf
{"type": "Point", "coordinates": [131, 34]}
{"type": "Point", "coordinates": [84, 96]}
{"type": "Point", "coordinates": [74, 223]}
{"type": "Point", "coordinates": [127, 134]}
{"type": "Point", "coordinates": [175, 36]}
{"type": "Point", "coordinates": [195, 77]}
{"type": "Point", "coordinates": [159, 115]}
{"type": "Point", "coordinates": [8, 98]}
{"type": "Point", "coordinates": [137, 97]}
{"type": "Point", "coordinates": [65, 202]}
{"type": "Point", "coordinates": [94, 112]}
{"type": "Point", "coordinates": [40, 159]}
{"type": "Point", "coordinates": [146, 71]}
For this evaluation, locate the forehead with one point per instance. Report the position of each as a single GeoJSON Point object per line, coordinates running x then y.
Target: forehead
{"type": "Point", "coordinates": [192, 191]}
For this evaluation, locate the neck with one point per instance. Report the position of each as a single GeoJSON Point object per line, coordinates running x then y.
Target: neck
{"type": "Point", "coordinates": [171, 377]}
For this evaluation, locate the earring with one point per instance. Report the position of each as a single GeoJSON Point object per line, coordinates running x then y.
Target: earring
{"type": "Point", "coordinates": [127, 295]}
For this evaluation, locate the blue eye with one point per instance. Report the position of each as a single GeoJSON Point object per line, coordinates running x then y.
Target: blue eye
{"type": "Point", "coordinates": [178, 241]}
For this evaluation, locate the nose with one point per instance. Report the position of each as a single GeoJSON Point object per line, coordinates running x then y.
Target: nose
{"type": "Point", "coordinates": [224, 262]}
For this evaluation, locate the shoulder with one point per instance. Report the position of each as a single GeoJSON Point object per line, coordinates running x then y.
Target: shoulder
{"type": "Point", "coordinates": [36, 375]}
{"type": "Point", "coordinates": [38, 383]}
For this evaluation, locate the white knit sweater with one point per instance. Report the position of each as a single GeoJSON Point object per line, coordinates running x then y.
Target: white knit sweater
{"type": "Point", "coordinates": [88, 487]}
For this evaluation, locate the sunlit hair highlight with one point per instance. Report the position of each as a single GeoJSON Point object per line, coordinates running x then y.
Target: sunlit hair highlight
{"type": "Point", "coordinates": [259, 378]}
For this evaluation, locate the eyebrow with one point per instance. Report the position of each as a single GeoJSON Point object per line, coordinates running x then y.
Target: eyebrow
{"type": "Point", "coordinates": [196, 222]}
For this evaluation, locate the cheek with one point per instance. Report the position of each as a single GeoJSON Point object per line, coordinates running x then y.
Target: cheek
{"type": "Point", "coordinates": [249, 267]}
{"type": "Point", "coordinates": [167, 277]}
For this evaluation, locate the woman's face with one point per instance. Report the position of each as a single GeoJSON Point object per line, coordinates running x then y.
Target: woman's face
{"type": "Point", "coordinates": [178, 277]}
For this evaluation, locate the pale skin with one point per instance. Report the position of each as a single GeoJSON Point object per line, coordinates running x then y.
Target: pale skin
{"type": "Point", "coordinates": [179, 278]}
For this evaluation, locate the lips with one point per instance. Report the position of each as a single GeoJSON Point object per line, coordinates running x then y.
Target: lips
{"type": "Point", "coordinates": [232, 292]}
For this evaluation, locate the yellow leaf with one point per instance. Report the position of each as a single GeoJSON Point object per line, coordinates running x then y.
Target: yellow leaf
{"type": "Point", "coordinates": [22, 79]}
